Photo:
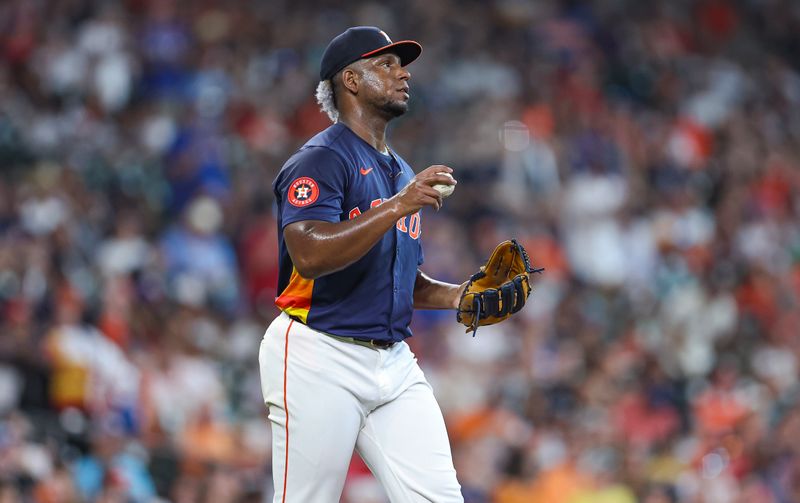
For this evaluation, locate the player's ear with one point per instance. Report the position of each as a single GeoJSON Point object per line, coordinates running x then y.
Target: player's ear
{"type": "Point", "coordinates": [350, 79]}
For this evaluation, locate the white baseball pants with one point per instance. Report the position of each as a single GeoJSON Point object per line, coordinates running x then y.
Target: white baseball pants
{"type": "Point", "coordinates": [327, 397]}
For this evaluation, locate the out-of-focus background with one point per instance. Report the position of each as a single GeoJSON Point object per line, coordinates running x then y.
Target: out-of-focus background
{"type": "Point", "coordinates": [647, 154]}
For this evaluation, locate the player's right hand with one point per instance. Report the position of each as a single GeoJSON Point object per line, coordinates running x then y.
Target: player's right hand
{"type": "Point", "coordinates": [420, 192]}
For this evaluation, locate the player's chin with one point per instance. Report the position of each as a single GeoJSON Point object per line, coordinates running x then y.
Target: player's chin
{"type": "Point", "coordinates": [396, 108]}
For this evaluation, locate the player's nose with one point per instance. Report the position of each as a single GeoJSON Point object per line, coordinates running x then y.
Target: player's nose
{"type": "Point", "coordinates": [404, 74]}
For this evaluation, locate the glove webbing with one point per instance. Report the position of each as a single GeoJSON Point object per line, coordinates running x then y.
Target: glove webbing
{"type": "Point", "coordinates": [525, 258]}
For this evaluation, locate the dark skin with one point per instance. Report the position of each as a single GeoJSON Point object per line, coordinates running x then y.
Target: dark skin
{"type": "Point", "coordinates": [371, 92]}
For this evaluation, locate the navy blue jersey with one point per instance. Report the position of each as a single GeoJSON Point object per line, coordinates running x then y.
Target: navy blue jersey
{"type": "Point", "coordinates": [337, 176]}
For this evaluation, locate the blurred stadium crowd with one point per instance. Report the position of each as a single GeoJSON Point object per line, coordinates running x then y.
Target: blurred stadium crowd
{"type": "Point", "coordinates": [647, 154]}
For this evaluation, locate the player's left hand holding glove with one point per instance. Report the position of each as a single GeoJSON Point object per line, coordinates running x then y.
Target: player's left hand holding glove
{"type": "Point", "coordinates": [499, 289]}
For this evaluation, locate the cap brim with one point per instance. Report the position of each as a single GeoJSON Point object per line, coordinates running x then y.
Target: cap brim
{"type": "Point", "coordinates": [407, 50]}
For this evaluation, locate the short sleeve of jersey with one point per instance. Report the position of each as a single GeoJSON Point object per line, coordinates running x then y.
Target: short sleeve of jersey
{"type": "Point", "coordinates": [311, 186]}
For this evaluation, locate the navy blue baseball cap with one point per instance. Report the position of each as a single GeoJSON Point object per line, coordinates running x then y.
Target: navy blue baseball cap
{"type": "Point", "coordinates": [361, 42]}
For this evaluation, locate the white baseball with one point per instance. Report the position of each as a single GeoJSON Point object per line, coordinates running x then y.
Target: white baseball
{"type": "Point", "coordinates": [444, 190]}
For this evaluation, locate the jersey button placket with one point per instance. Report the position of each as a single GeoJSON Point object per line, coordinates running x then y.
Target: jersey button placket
{"type": "Point", "coordinates": [397, 255]}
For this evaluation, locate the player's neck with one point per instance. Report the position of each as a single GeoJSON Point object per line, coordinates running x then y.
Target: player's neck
{"type": "Point", "coordinates": [370, 129]}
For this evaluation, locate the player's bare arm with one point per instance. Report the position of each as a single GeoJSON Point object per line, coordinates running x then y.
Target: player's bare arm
{"type": "Point", "coordinates": [318, 248]}
{"type": "Point", "coordinates": [434, 294]}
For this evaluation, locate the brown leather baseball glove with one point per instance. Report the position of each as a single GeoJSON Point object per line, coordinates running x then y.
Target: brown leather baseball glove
{"type": "Point", "coordinates": [499, 289]}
